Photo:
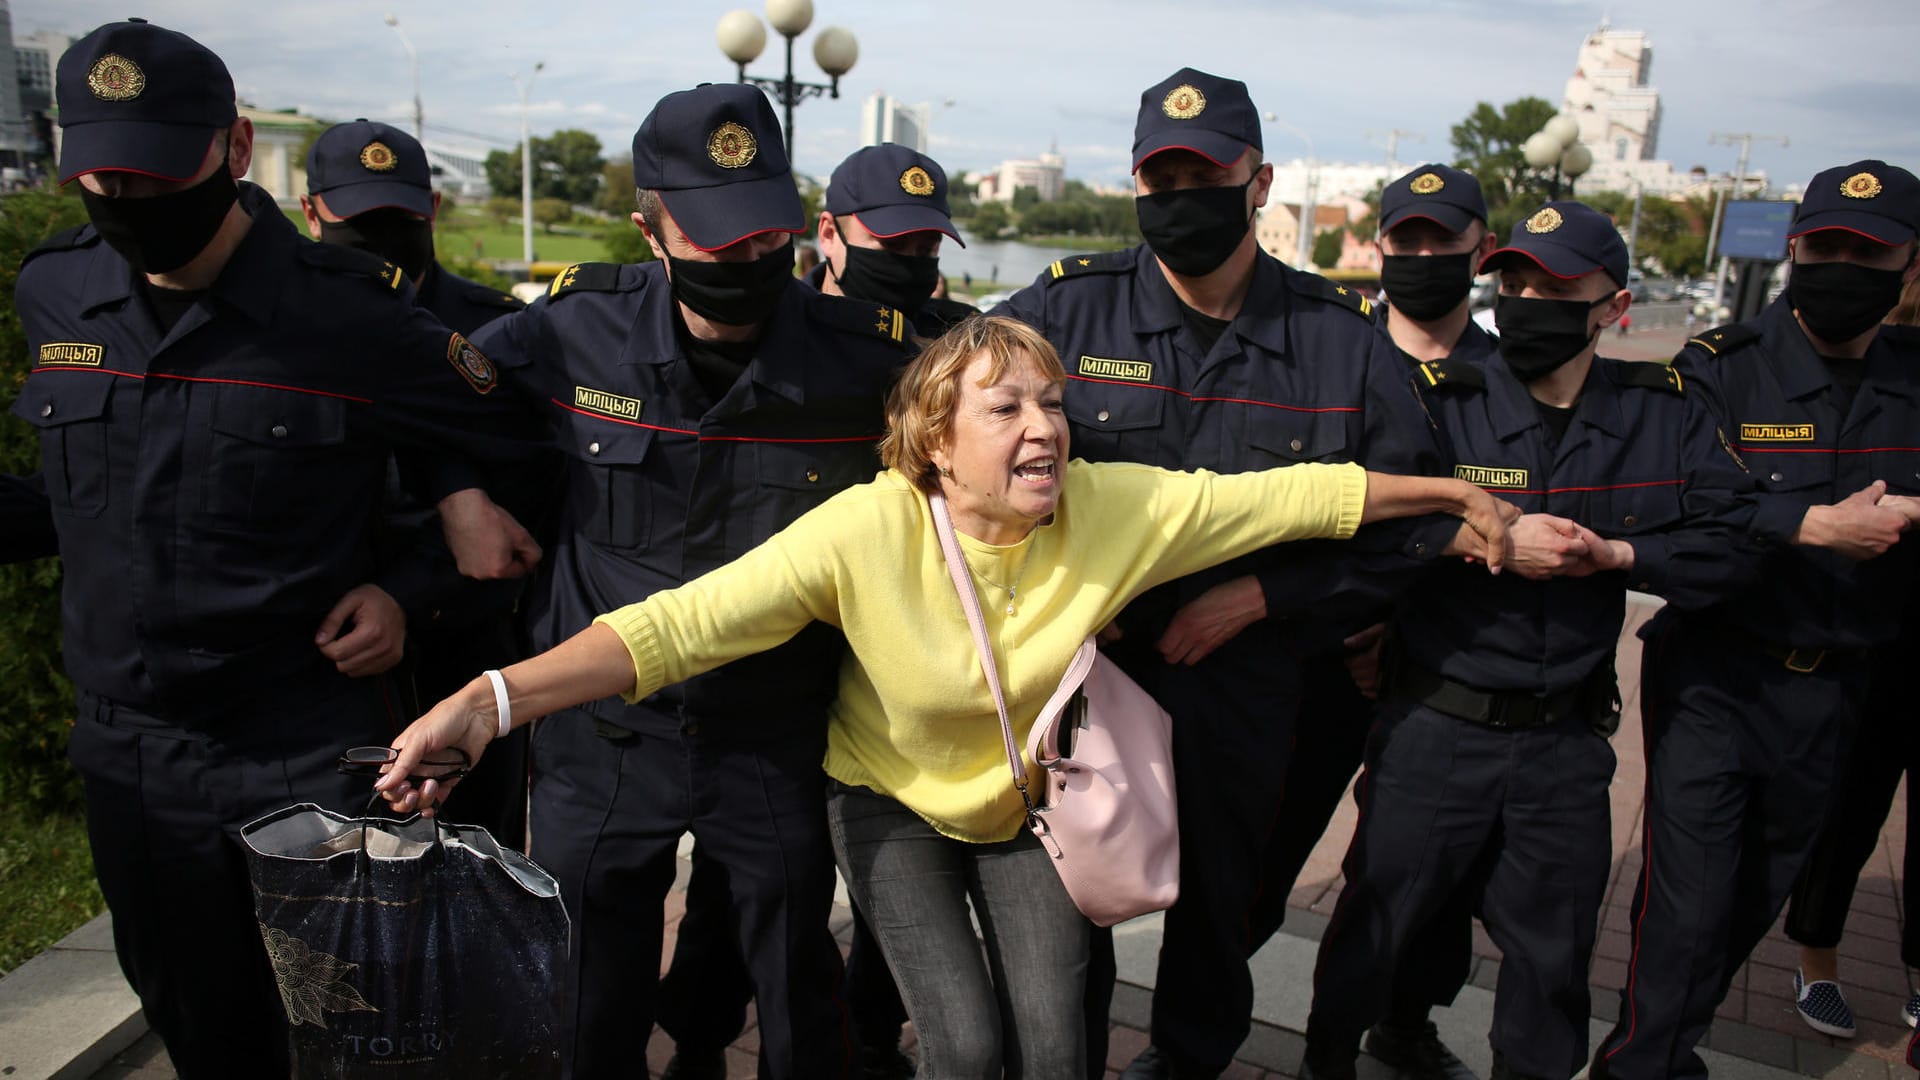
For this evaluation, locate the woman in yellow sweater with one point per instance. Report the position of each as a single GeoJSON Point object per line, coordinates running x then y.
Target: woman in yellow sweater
{"type": "Point", "coordinates": [924, 819]}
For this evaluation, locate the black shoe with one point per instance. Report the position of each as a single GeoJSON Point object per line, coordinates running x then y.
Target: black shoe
{"type": "Point", "coordinates": [1326, 1070]}
{"type": "Point", "coordinates": [691, 1064]}
{"type": "Point", "coordinates": [885, 1062]}
{"type": "Point", "coordinates": [1416, 1052]}
{"type": "Point", "coordinates": [1150, 1065]}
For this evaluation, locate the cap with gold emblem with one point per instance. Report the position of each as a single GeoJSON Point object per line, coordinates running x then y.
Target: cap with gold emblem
{"type": "Point", "coordinates": [1192, 110]}
{"type": "Point", "coordinates": [892, 190]}
{"type": "Point", "coordinates": [1437, 193]}
{"type": "Point", "coordinates": [366, 165]}
{"type": "Point", "coordinates": [714, 154]}
{"type": "Point", "coordinates": [1872, 198]}
{"type": "Point", "coordinates": [1566, 239]}
{"type": "Point", "coordinates": [134, 97]}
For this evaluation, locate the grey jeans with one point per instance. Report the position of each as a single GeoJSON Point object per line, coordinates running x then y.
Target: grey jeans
{"type": "Point", "coordinates": [1012, 1009]}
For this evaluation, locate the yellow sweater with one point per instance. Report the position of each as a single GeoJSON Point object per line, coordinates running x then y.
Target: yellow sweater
{"type": "Point", "coordinates": [914, 718]}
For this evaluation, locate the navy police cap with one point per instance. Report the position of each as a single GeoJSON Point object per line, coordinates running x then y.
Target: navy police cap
{"type": "Point", "coordinates": [134, 97]}
{"type": "Point", "coordinates": [1567, 239]}
{"type": "Point", "coordinates": [1438, 193]}
{"type": "Point", "coordinates": [714, 155]}
{"type": "Point", "coordinates": [1872, 198]}
{"type": "Point", "coordinates": [892, 190]}
{"type": "Point", "coordinates": [367, 165]}
{"type": "Point", "coordinates": [1192, 110]}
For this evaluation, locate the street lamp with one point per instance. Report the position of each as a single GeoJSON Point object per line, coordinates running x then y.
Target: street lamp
{"type": "Point", "coordinates": [742, 36]}
{"type": "Point", "coordinates": [1303, 246]}
{"type": "Point", "coordinates": [526, 165]}
{"type": "Point", "coordinates": [413, 58]}
{"type": "Point", "coordinates": [1557, 146]}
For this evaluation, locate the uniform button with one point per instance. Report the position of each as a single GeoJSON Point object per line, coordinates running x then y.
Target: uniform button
{"type": "Point", "coordinates": [1419, 549]}
{"type": "Point", "coordinates": [1103, 416]}
{"type": "Point", "coordinates": [1776, 477]}
{"type": "Point", "coordinates": [1295, 445]}
{"type": "Point", "coordinates": [813, 476]}
{"type": "Point", "coordinates": [693, 729]}
{"type": "Point", "coordinates": [47, 409]}
{"type": "Point", "coordinates": [1630, 521]}
{"type": "Point", "coordinates": [279, 431]}
{"type": "Point", "coordinates": [593, 448]}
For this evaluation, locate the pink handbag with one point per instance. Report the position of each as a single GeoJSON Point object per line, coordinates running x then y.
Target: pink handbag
{"type": "Point", "coordinates": [1106, 809]}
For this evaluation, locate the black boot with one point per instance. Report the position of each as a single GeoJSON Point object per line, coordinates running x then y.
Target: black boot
{"type": "Point", "coordinates": [1324, 1061]}
{"type": "Point", "coordinates": [1416, 1052]}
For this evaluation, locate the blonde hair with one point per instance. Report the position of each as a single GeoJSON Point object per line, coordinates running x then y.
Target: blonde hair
{"type": "Point", "coordinates": [920, 406]}
{"type": "Point", "coordinates": [1907, 311]}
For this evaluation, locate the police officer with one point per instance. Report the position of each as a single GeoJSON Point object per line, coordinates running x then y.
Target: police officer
{"type": "Point", "coordinates": [215, 396]}
{"type": "Point", "coordinates": [880, 233]}
{"type": "Point", "coordinates": [701, 403]}
{"type": "Point", "coordinates": [1489, 766]}
{"type": "Point", "coordinates": [1433, 235]}
{"type": "Point", "coordinates": [1748, 705]}
{"type": "Point", "coordinates": [1198, 350]}
{"type": "Point", "coordinates": [369, 187]}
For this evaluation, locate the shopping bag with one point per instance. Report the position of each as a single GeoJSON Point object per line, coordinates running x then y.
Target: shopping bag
{"type": "Point", "coordinates": [408, 948]}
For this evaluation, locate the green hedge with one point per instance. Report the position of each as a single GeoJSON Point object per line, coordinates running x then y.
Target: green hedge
{"type": "Point", "coordinates": [36, 700]}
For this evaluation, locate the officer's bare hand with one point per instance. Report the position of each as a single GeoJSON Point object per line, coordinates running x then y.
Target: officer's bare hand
{"type": "Point", "coordinates": [465, 721]}
{"type": "Point", "coordinates": [487, 542]}
{"type": "Point", "coordinates": [365, 633]}
{"type": "Point", "coordinates": [1906, 504]}
{"type": "Point", "coordinates": [1485, 534]}
{"type": "Point", "coordinates": [1363, 659]}
{"type": "Point", "coordinates": [1856, 526]}
{"type": "Point", "coordinates": [1545, 546]}
{"type": "Point", "coordinates": [1211, 619]}
{"type": "Point", "coordinates": [1601, 554]}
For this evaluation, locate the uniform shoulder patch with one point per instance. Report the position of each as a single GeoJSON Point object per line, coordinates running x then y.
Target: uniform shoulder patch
{"type": "Point", "coordinates": [80, 236]}
{"type": "Point", "coordinates": [352, 262]}
{"type": "Point", "coordinates": [1101, 262]}
{"type": "Point", "coordinates": [863, 317]}
{"type": "Point", "coordinates": [586, 277]}
{"type": "Point", "coordinates": [1651, 374]}
{"type": "Point", "coordinates": [1332, 292]}
{"type": "Point", "coordinates": [1724, 339]}
{"type": "Point", "coordinates": [1447, 371]}
{"type": "Point", "coordinates": [476, 293]}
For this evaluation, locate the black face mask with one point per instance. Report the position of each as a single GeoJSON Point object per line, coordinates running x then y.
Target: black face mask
{"type": "Point", "coordinates": [1538, 336]}
{"type": "Point", "coordinates": [1426, 287]}
{"type": "Point", "coordinates": [401, 238]}
{"type": "Point", "coordinates": [164, 232]}
{"type": "Point", "coordinates": [1193, 230]}
{"type": "Point", "coordinates": [1839, 301]}
{"type": "Point", "coordinates": [902, 282]}
{"type": "Point", "coordinates": [733, 293]}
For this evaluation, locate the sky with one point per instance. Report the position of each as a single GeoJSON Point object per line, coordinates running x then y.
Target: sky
{"type": "Point", "coordinates": [1010, 78]}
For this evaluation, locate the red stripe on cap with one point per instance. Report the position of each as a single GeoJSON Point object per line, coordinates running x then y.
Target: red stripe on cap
{"type": "Point", "coordinates": [1195, 150]}
{"type": "Point", "coordinates": [1497, 252]}
{"type": "Point", "coordinates": [1843, 228]}
{"type": "Point", "coordinates": [748, 236]}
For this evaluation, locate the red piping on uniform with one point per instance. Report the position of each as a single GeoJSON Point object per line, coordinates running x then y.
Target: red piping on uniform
{"type": "Point", "coordinates": [1233, 400]}
{"type": "Point", "coordinates": [1830, 450]}
{"type": "Point", "coordinates": [88, 370]}
{"type": "Point", "coordinates": [199, 379]}
{"type": "Point", "coordinates": [712, 438]}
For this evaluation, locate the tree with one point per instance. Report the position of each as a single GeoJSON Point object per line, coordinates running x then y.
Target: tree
{"type": "Point", "coordinates": [991, 219]}
{"type": "Point", "coordinates": [566, 165]}
{"type": "Point", "coordinates": [624, 243]}
{"type": "Point", "coordinates": [551, 212]}
{"type": "Point", "coordinates": [503, 172]}
{"type": "Point", "coordinates": [616, 189]}
{"type": "Point", "coordinates": [501, 210]}
{"type": "Point", "coordinates": [1487, 144]}
{"type": "Point", "coordinates": [1326, 247]}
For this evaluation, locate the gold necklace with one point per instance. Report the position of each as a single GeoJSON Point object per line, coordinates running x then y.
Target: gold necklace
{"type": "Point", "coordinates": [1010, 590]}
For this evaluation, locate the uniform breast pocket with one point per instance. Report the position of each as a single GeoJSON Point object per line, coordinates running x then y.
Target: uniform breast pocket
{"type": "Point", "coordinates": [611, 490]}
{"type": "Point", "coordinates": [71, 412]}
{"type": "Point", "coordinates": [1114, 423]}
{"type": "Point", "coordinates": [1635, 509]}
{"type": "Point", "coordinates": [272, 451]}
{"type": "Point", "coordinates": [1900, 468]}
{"type": "Point", "coordinates": [1286, 437]}
{"type": "Point", "coordinates": [796, 477]}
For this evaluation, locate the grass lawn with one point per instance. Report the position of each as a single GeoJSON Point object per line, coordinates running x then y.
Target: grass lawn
{"type": "Point", "coordinates": [46, 882]}
{"type": "Point", "coordinates": [456, 233]}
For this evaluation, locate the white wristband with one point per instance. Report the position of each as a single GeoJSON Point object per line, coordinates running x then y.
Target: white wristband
{"type": "Point", "coordinates": [500, 703]}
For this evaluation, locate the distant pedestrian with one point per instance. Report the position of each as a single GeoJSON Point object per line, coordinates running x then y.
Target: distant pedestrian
{"type": "Point", "coordinates": [1626, 324]}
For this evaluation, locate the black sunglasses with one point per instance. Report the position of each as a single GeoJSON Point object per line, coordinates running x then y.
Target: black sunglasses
{"type": "Point", "coordinates": [442, 765]}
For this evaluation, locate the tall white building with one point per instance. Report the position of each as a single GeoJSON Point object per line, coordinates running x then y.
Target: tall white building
{"type": "Point", "coordinates": [16, 135]}
{"type": "Point", "coordinates": [885, 120]}
{"type": "Point", "coordinates": [1618, 113]}
{"type": "Point", "coordinates": [1046, 174]}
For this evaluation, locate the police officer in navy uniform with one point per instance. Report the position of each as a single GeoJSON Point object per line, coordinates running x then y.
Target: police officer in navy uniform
{"type": "Point", "coordinates": [216, 398]}
{"type": "Point", "coordinates": [1198, 350]}
{"type": "Point", "coordinates": [1748, 705]}
{"type": "Point", "coordinates": [1489, 765]}
{"type": "Point", "coordinates": [701, 403]}
{"type": "Point", "coordinates": [369, 187]}
{"type": "Point", "coordinates": [880, 234]}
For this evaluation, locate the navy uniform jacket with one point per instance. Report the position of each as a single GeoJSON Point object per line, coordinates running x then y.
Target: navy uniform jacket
{"type": "Point", "coordinates": [1300, 375]}
{"type": "Point", "coordinates": [1781, 410]}
{"type": "Point", "coordinates": [663, 485]}
{"type": "Point", "coordinates": [463, 305]}
{"type": "Point", "coordinates": [932, 319]}
{"type": "Point", "coordinates": [214, 488]}
{"type": "Point", "coordinates": [1641, 461]}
